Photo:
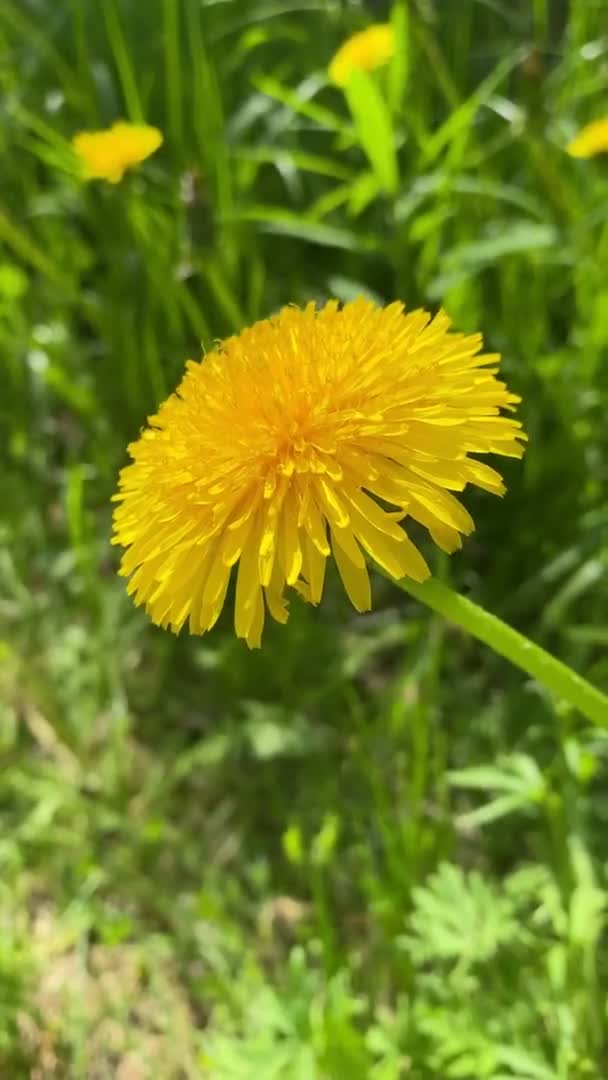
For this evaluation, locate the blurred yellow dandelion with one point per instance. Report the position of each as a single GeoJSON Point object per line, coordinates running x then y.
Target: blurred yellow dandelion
{"type": "Point", "coordinates": [364, 51]}
{"type": "Point", "coordinates": [591, 140]}
{"type": "Point", "coordinates": [107, 154]}
{"type": "Point", "coordinates": [313, 433]}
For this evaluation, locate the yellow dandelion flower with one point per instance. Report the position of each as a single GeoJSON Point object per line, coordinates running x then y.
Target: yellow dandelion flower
{"type": "Point", "coordinates": [591, 140]}
{"type": "Point", "coordinates": [107, 154]}
{"type": "Point", "coordinates": [364, 51]}
{"type": "Point", "coordinates": [313, 433]}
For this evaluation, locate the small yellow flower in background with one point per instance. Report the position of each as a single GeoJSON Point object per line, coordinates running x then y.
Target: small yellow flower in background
{"type": "Point", "coordinates": [591, 140]}
{"type": "Point", "coordinates": [107, 154]}
{"type": "Point", "coordinates": [364, 51]}
{"type": "Point", "coordinates": [286, 444]}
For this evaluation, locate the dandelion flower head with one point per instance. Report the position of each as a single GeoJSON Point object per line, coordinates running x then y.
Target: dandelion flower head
{"type": "Point", "coordinates": [314, 433]}
{"type": "Point", "coordinates": [364, 51]}
{"type": "Point", "coordinates": [591, 140]}
{"type": "Point", "coordinates": [107, 154]}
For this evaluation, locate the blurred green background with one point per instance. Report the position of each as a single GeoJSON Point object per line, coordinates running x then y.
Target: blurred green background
{"type": "Point", "coordinates": [372, 849]}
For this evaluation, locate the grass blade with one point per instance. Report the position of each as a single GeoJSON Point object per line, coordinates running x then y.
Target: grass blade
{"type": "Point", "coordinates": [122, 59]}
{"type": "Point", "coordinates": [374, 128]}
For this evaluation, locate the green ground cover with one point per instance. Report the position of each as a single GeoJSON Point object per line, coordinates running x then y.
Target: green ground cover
{"type": "Point", "coordinates": [372, 849]}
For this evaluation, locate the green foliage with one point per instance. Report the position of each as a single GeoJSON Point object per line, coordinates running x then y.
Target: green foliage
{"type": "Point", "coordinates": [371, 850]}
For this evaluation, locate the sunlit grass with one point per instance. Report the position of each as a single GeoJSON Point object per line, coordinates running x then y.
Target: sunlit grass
{"type": "Point", "coordinates": [369, 850]}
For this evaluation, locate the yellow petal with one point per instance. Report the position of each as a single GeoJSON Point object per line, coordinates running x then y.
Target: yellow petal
{"type": "Point", "coordinates": [378, 517]}
{"type": "Point", "coordinates": [398, 557]}
{"type": "Point", "coordinates": [248, 587]}
{"type": "Point", "coordinates": [256, 623]}
{"type": "Point", "coordinates": [315, 569]}
{"type": "Point", "coordinates": [354, 574]}
{"type": "Point", "coordinates": [314, 524]}
{"type": "Point", "coordinates": [289, 549]}
{"type": "Point", "coordinates": [332, 504]}
{"type": "Point", "coordinates": [443, 506]}
{"type": "Point", "coordinates": [591, 140]}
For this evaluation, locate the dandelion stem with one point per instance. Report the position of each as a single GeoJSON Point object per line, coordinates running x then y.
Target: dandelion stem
{"type": "Point", "coordinates": [558, 678]}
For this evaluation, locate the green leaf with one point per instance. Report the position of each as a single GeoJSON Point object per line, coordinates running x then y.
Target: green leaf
{"type": "Point", "coordinates": [509, 239]}
{"type": "Point", "coordinates": [455, 132]}
{"type": "Point", "coordinates": [458, 917]}
{"type": "Point", "coordinates": [296, 159]}
{"type": "Point", "coordinates": [517, 773]}
{"type": "Point", "coordinates": [283, 222]}
{"type": "Point", "coordinates": [400, 64]}
{"type": "Point", "coordinates": [374, 128]}
{"type": "Point", "coordinates": [15, 237]}
{"type": "Point", "coordinates": [346, 289]}
{"type": "Point", "coordinates": [320, 115]}
{"type": "Point", "coordinates": [522, 1065]}
{"type": "Point", "coordinates": [586, 577]}
{"type": "Point", "coordinates": [492, 811]}
{"type": "Point", "coordinates": [518, 779]}
{"type": "Point", "coordinates": [362, 192]}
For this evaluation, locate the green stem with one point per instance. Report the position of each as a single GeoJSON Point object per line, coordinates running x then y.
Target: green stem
{"type": "Point", "coordinates": [558, 678]}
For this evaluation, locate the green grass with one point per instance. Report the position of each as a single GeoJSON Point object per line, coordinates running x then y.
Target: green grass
{"type": "Point", "coordinates": [372, 849]}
